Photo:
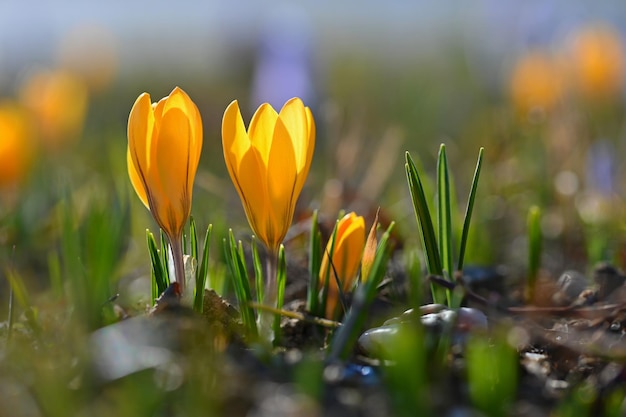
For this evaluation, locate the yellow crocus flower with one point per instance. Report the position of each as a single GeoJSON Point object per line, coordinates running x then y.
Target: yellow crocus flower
{"type": "Point", "coordinates": [536, 82]}
{"type": "Point", "coordinates": [597, 62]}
{"type": "Point", "coordinates": [346, 258]}
{"type": "Point", "coordinates": [16, 147]}
{"type": "Point", "coordinates": [59, 101]}
{"type": "Point", "coordinates": [269, 163]}
{"type": "Point", "coordinates": [164, 146]}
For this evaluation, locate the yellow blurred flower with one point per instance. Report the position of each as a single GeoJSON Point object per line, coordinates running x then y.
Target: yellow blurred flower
{"type": "Point", "coordinates": [269, 163]}
{"type": "Point", "coordinates": [16, 147]}
{"type": "Point", "coordinates": [58, 101]}
{"type": "Point", "coordinates": [346, 258]}
{"type": "Point", "coordinates": [597, 62]}
{"type": "Point", "coordinates": [536, 82]}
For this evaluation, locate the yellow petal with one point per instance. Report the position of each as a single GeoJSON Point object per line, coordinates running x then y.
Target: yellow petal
{"type": "Point", "coordinates": [261, 131]}
{"type": "Point", "coordinates": [235, 141]}
{"type": "Point", "coordinates": [281, 180]}
{"type": "Point", "coordinates": [140, 127]}
{"type": "Point", "coordinates": [369, 252]}
{"type": "Point", "coordinates": [172, 169]}
{"type": "Point", "coordinates": [245, 169]}
{"type": "Point", "coordinates": [293, 115]}
{"type": "Point", "coordinates": [136, 180]}
{"type": "Point", "coordinates": [308, 150]}
{"type": "Point", "coordinates": [252, 183]}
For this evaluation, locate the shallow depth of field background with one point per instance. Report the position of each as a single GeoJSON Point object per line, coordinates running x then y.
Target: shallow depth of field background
{"type": "Point", "coordinates": [539, 84]}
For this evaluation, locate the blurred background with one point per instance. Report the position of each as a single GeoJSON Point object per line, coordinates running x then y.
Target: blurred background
{"type": "Point", "coordinates": [539, 84]}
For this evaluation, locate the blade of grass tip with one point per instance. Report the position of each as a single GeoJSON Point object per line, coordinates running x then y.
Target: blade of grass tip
{"type": "Point", "coordinates": [281, 279]}
{"type": "Point", "coordinates": [315, 262]}
{"type": "Point", "coordinates": [346, 337]}
{"type": "Point", "coordinates": [157, 265]}
{"type": "Point", "coordinates": [444, 216]}
{"type": "Point", "coordinates": [258, 271]}
{"type": "Point", "coordinates": [469, 209]}
{"type": "Point", "coordinates": [203, 271]}
{"type": "Point", "coordinates": [425, 226]}
{"type": "Point", "coordinates": [534, 248]}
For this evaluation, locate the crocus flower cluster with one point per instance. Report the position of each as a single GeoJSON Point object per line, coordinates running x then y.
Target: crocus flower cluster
{"type": "Point", "coordinates": [268, 163]}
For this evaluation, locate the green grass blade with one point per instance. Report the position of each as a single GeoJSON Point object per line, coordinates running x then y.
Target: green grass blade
{"type": "Point", "coordinates": [240, 283]}
{"type": "Point", "coordinates": [281, 280]}
{"type": "Point", "coordinates": [315, 263]}
{"type": "Point", "coordinates": [444, 217]}
{"type": "Point", "coordinates": [425, 225]}
{"type": "Point", "coordinates": [534, 248]}
{"type": "Point", "coordinates": [258, 271]}
{"type": "Point", "coordinates": [469, 209]}
{"type": "Point", "coordinates": [160, 277]}
{"type": "Point", "coordinates": [324, 294]}
{"type": "Point", "coordinates": [346, 337]}
{"type": "Point", "coordinates": [203, 270]}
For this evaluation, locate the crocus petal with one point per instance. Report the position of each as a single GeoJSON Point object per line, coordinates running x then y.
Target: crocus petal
{"type": "Point", "coordinates": [261, 131]}
{"type": "Point", "coordinates": [293, 116]}
{"type": "Point", "coordinates": [254, 195]}
{"type": "Point", "coordinates": [136, 180]}
{"type": "Point", "coordinates": [303, 172]}
{"type": "Point", "coordinates": [235, 141]}
{"type": "Point", "coordinates": [172, 169]}
{"type": "Point", "coordinates": [140, 126]}
{"type": "Point", "coordinates": [281, 179]}
{"type": "Point", "coordinates": [245, 169]}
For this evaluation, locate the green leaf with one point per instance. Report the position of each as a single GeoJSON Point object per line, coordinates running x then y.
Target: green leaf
{"type": "Point", "coordinates": [258, 271]}
{"type": "Point", "coordinates": [281, 280]}
{"type": "Point", "coordinates": [315, 263]}
{"type": "Point", "coordinates": [469, 209]}
{"type": "Point", "coordinates": [160, 278]}
{"type": "Point", "coordinates": [203, 270]}
{"type": "Point", "coordinates": [444, 217]}
{"type": "Point", "coordinates": [240, 280]}
{"type": "Point", "coordinates": [425, 225]}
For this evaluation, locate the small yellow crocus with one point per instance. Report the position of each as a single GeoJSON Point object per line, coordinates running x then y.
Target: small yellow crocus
{"type": "Point", "coordinates": [58, 101]}
{"type": "Point", "coordinates": [597, 62]}
{"type": "Point", "coordinates": [536, 82]}
{"type": "Point", "coordinates": [268, 163]}
{"type": "Point", "coordinates": [16, 144]}
{"type": "Point", "coordinates": [346, 258]}
{"type": "Point", "coordinates": [164, 146]}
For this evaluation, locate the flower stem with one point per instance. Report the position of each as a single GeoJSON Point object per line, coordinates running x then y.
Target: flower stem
{"type": "Point", "coordinates": [179, 264]}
